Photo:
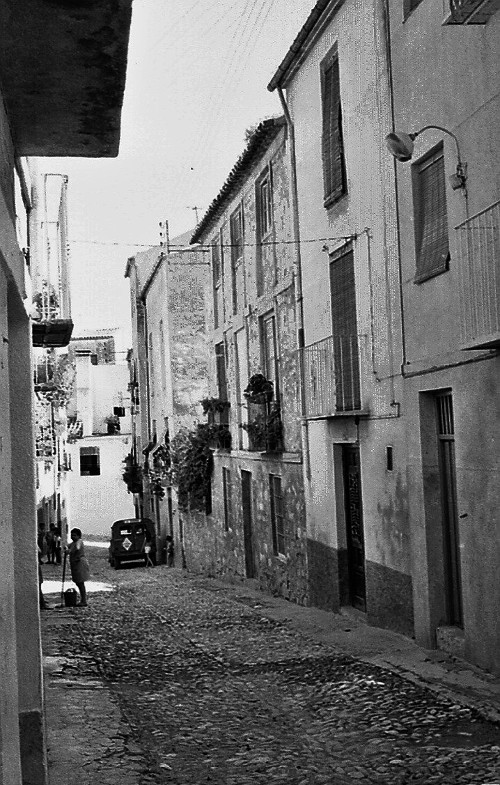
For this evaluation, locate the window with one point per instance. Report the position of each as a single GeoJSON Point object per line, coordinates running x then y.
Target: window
{"type": "Point", "coordinates": [241, 373]}
{"type": "Point", "coordinates": [226, 493]}
{"type": "Point", "coordinates": [217, 281]}
{"type": "Point", "coordinates": [270, 354]}
{"type": "Point", "coordinates": [220, 361]}
{"type": "Point", "coordinates": [264, 206]}
{"type": "Point", "coordinates": [238, 284]}
{"type": "Point", "coordinates": [431, 218]}
{"type": "Point", "coordinates": [89, 461]}
{"type": "Point", "coordinates": [334, 172]}
{"type": "Point", "coordinates": [277, 517]}
{"type": "Point", "coordinates": [344, 331]}
{"type": "Point", "coordinates": [409, 6]}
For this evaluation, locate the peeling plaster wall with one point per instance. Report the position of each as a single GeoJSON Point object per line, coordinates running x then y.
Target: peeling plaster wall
{"type": "Point", "coordinates": [267, 284]}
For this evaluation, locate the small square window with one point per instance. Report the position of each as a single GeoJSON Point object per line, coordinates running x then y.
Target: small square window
{"type": "Point", "coordinates": [90, 464]}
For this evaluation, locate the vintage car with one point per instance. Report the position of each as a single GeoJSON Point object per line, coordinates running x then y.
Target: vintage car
{"type": "Point", "coordinates": [129, 538]}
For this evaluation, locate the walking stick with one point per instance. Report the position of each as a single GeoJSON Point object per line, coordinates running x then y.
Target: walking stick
{"type": "Point", "coordinates": [63, 577]}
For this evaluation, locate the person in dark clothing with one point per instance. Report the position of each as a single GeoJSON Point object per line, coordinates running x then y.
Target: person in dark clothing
{"type": "Point", "coordinates": [80, 572]}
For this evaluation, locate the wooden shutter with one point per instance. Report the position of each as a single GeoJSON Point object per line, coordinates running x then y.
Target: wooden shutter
{"type": "Point", "coordinates": [334, 175]}
{"type": "Point", "coordinates": [344, 330]}
{"type": "Point", "coordinates": [431, 217]}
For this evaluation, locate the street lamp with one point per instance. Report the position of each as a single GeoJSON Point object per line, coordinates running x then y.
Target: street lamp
{"type": "Point", "coordinates": [401, 146]}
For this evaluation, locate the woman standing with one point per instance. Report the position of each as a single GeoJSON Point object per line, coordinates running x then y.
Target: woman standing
{"type": "Point", "coordinates": [78, 564]}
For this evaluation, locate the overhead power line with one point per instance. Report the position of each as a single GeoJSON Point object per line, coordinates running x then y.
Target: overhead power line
{"type": "Point", "coordinates": [202, 246]}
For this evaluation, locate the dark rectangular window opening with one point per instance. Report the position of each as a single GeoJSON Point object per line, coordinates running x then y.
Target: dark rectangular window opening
{"type": "Point", "coordinates": [89, 461]}
{"type": "Point", "coordinates": [277, 515]}
{"type": "Point", "coordinates": [389, 458]}
{"type": "Point", "coordinates": [236, 236]}
{"type": "Point", "coordinates": [334, 169]}
{"type": "Point", "coordinates": [264, 207]}
{"type": "Point", "coordinates": [217, 276]}
{"type": "Point", "coordinates": [431, 216]}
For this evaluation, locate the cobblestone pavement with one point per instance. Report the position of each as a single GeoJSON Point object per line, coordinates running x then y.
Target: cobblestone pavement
{"type": "Point", "coordinates": [177, 680]}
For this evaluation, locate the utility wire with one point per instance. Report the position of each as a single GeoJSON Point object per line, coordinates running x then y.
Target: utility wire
{"type": "Point", "coordinates": [207, 246]}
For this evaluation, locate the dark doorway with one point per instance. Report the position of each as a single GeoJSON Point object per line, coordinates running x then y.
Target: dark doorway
{"type": "Point", "coordinates": [354, 526]}
{"type": "Point", "coordinates": [246, 502]}
{"type": "Point", "coordinates": [451, 539]}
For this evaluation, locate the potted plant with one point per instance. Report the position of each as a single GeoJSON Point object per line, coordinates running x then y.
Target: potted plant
{"type": "Point", "coordinates": [113, 424]}
{"type": "Point", "coordinates": [259, 389]}
{"type": "Point", "coordinates": [132, 474]}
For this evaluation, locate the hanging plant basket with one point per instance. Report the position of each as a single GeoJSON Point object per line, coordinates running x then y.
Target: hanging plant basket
{"type": "Point", "coordinates": [259, 389]}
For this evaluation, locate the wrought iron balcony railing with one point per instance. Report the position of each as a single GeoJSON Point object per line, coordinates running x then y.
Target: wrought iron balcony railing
{"type": "Point", "coordinates": [331, 376]}
{"type": "Point", "coordinates": [470, 12]}
{"type": "Point", "coordinates": [479, 266]}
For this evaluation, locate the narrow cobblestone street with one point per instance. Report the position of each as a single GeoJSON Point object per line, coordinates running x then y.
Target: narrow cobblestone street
{"type": "Point", "coordinates": [173, 678]}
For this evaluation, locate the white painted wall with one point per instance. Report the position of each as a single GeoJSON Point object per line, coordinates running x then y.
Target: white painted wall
{"type": "Point", "coordinates": [97, 501]}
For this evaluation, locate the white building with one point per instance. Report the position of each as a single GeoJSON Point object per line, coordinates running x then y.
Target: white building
{"type": "Point", "coordinates": [100, 424]}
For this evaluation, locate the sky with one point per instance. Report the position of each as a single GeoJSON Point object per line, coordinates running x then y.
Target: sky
{"type": "Point", "coordinates": [197, 78]}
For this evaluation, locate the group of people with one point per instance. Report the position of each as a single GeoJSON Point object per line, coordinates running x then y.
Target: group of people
{"type": "Point", "coordinates": [50, 544]}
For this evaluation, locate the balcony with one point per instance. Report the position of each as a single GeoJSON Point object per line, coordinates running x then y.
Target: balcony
{"type": "Point", "coordinates": [479, 260]}
{"type": "Point", "coordinates": [331, 376]}
{"type": "Point", "coordinates": [470, 12]}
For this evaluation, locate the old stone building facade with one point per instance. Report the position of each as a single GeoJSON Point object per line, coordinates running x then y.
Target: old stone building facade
{"type": "Point", "coordinates": [254, 526]}
{"type": "Point", "coordinates": [168, 370]}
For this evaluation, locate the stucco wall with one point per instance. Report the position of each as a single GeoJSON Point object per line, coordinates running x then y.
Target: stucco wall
{"type": "Point", "coordinates": [432, 86]}
{"type": "Point", "coordinates": [97, 501]}
{"type": "Point", "coordinates": [20, 646]}
{"type": "Point", "coordinates": [367, 216]}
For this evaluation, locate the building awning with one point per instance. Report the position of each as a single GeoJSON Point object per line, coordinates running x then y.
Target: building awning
{"type": "Point", "coordinates": [63, 66]}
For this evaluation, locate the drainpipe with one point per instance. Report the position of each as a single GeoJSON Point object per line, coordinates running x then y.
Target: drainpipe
{"type": "Point", "coordinates": [299, 304]}
{"type": "Point", "coordinates": [387, 38]}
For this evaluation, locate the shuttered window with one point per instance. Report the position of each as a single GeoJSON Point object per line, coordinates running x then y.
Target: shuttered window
{"type": "Point", "coordinates": [431, 217]}
{"type": "Point", "coordinates": [344, 331]}
{"type": "Point", "coordinates": [237, 274]}
{"type": "Point", "coordinates": [334, 173]}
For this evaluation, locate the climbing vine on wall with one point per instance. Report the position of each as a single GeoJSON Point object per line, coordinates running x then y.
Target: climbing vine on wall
{"type": "Point", "coordinates": [192, 464]}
